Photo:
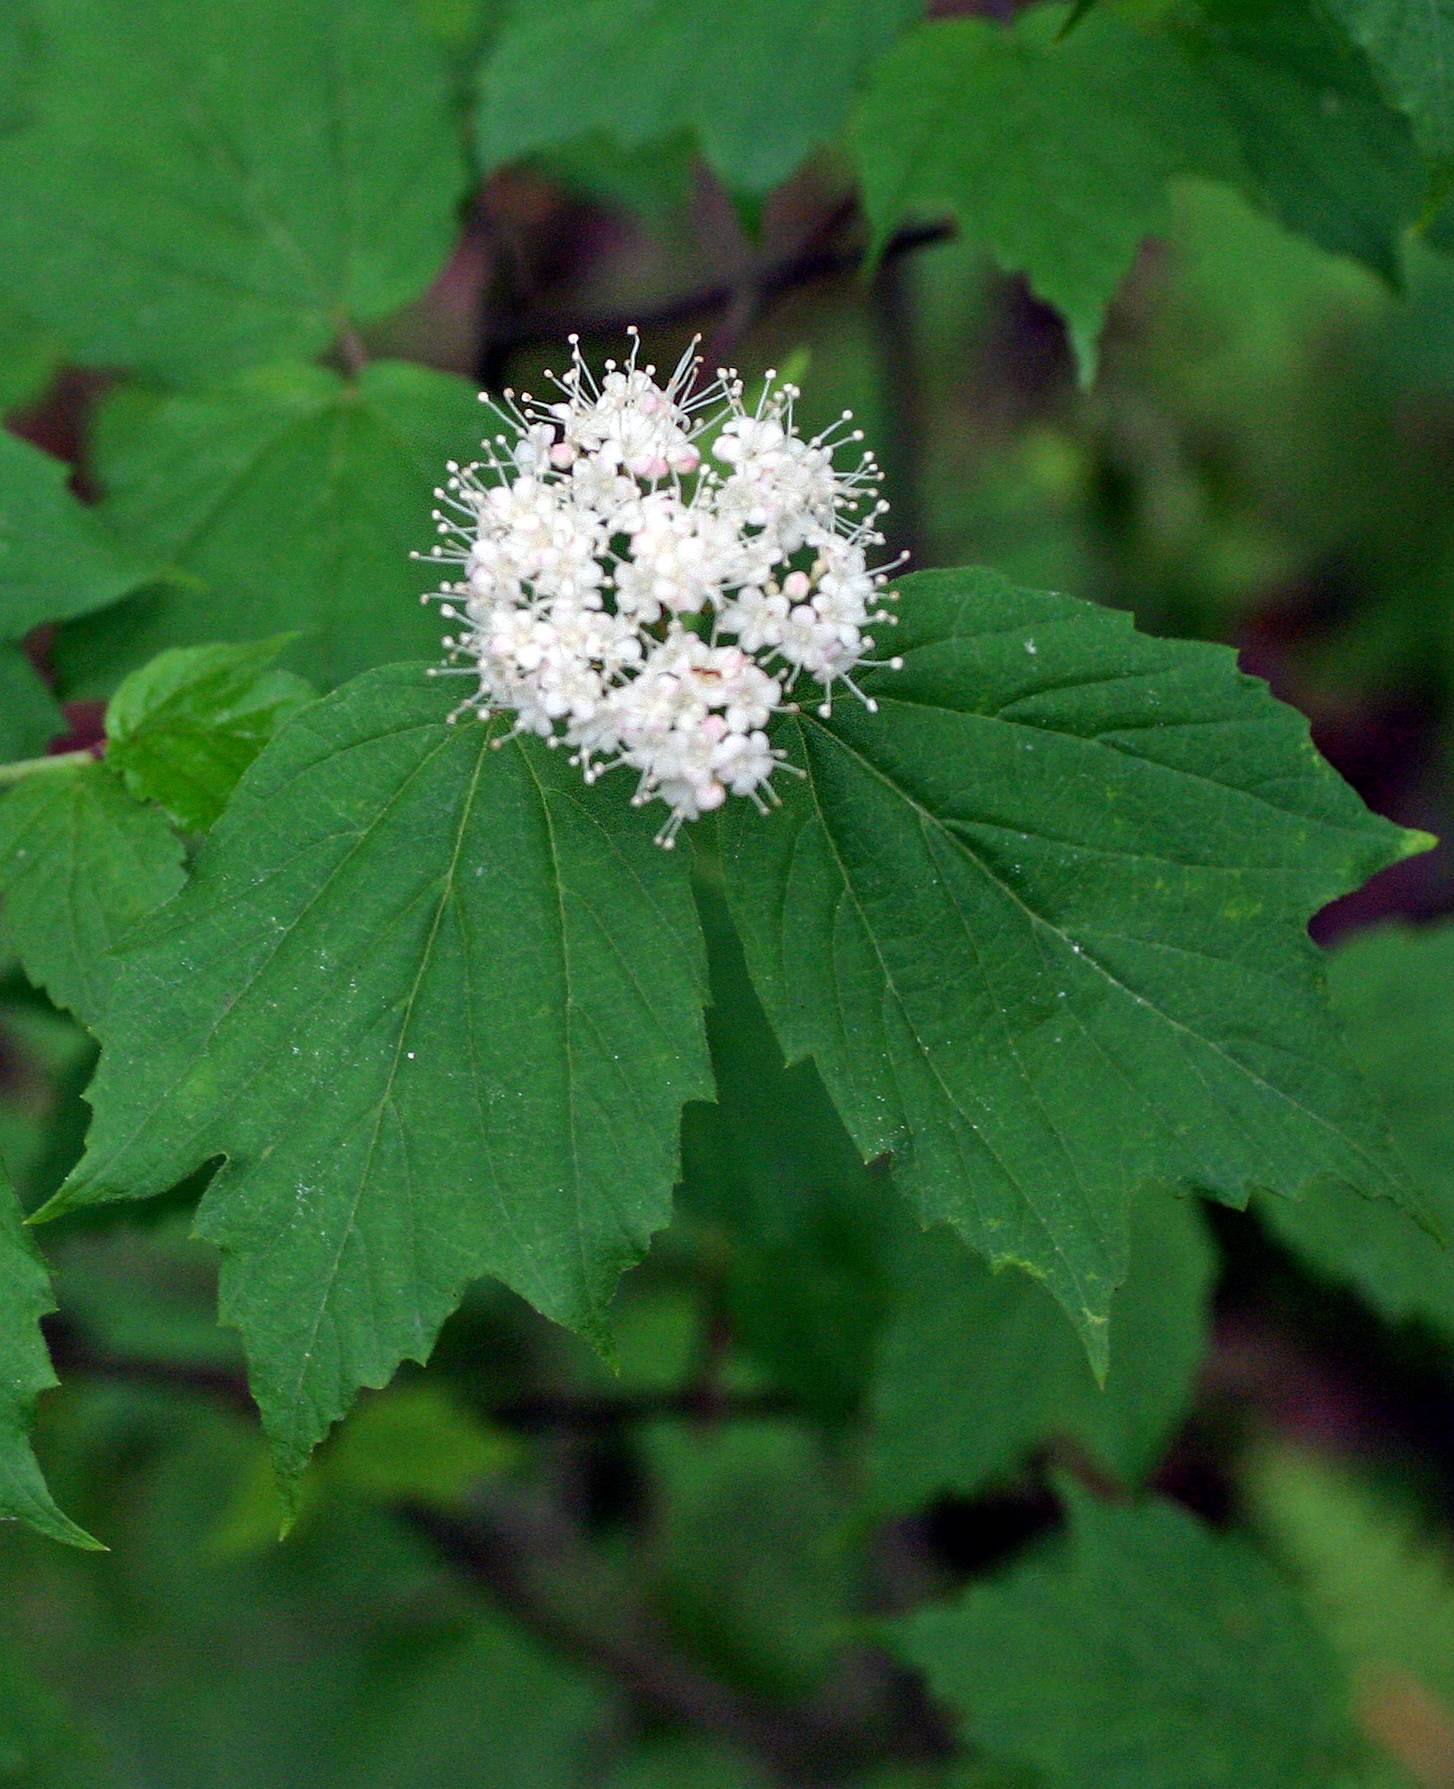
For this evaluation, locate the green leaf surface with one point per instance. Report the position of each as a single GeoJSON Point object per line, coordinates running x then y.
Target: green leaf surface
{"type": "Point", "coordinates": [1410, 44]}
{"type": "Point", "coordinates": [482, 1704]}
{"type": "Point", "coordinates": [654, 184]}
{"type": "Point", "coordinates": [29, 356]}
{"type": "Point", "coordinates": [1149, 1650]}
{"type": "Point", "coordinates": [438, 1006]}
{"type": "Point", "coordinates": [754, 1572]}
{"type": "Point", "coordinates": [1380, 1571]}
{"type": "Point", "coordinates": [80, 864]}
{"type": "Point", "coordinates": [205, 186]}
{"type": "Point", "coordinates": [291, 498]}
{"type": "Point", "coordinates": [761, 82]}
{"type": "Point", "coordinates": [183, 728]}
{"type": "Point", "coordinates": [1054, 152]}
{"type": "Point", "coordinates": [25, 1372]}
{"type": "Point", "coordinates": [29, 717]}
{"type": "Point", "coordinates": [43, 1745]}
{"type": "Point", "coordinates": [1393, 989]}
{"type": "Point", "coordinates": [978, 1369]}
{"type": "Point", "coordinates": [674, 1762]}
{"type": "Point", "coordinates": [1041, 922]}
{"type": "Point", "coordinates": [18, 46]}
{"type": "Point", "coordinates": [56, 560]}
{"type": "Point", "coordinates": [416, 1445]}
{"type": "Point", "coordinates": [1326, 154]}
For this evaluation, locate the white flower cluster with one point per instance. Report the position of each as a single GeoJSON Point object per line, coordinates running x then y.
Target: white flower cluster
{"type": "Point", "coordinates": [647, 569]}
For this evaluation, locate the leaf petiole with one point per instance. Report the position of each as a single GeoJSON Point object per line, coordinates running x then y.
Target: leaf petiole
{"type": "Point", "coordinates": [24, 767]}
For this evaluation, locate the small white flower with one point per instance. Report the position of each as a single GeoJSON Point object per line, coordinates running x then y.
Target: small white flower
{"type": "Point", "coordinates": [648, 604]}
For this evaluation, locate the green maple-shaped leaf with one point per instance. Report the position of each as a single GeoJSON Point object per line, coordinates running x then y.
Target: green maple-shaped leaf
{"type": "Point", "coordinates": [977, 1369]}
{"type": "Point", "coordinates": [80, 863]}
{"type": "Point", "coordinates": [56, 559]}
{"type": "Point", "coordinates": [202, 185]}
{"type": "Point", "coordinates": [1041, 921]}
{"type": "Point", "coordinates": [25, 1372]}
{"type": "Point", "coordinates": [1324, 152]}
{"type": "Point", "coordinates": [438, 1007]}
{"type": "Point", "coordinates": [760, 82]}
{"type": "Point", "coordinates": [1150, 1651]}
{"type": "Point", "coordinates": [1055, 147]}
{"type": "Point", "coordinates": [291, 499]}
{"type": "Point", "coordinates": [1054, 152]}
{"type": "Point", "coordinates": [1410, 44]}
{"type": "Point", "coordinates": [183, 728]}
{"type": "Point", "coordinates": [1393, 989]}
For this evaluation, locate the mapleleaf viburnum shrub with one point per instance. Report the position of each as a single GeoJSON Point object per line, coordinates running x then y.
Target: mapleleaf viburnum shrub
{"type": "Point", "coordinates": [1033, 900]}
{"type": "Point", "coordinates": [728, 1121]}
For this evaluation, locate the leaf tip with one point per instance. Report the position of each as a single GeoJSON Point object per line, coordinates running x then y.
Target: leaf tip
{"type": "Point", "coordinates": [1095, 1334]}
{"type": "Point", "coordinates": [59, 1203]}
{"type": "Point", "coordinates": [52, 1522]}
{"type": "Point", "coordinates": [1413, 843]}
{"type": "Point", "coordinates": [288, 1485]}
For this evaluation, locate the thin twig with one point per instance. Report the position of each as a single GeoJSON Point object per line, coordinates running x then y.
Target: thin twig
{"type": "Point", "coordinates": [797, 270]}
{"type": "Point", "coordinates": [600, 1621]}
{"type": "Point", "coordinates": [352, 351]}
{"type": "Point", "coordinates": [530, 1411]}
{"type": "Point", "coordinates": [75, 1358]}
{"type": "Point", "coordinates": [557, 1410]}
{"type": "Point", "coordinates": [533, 1561]}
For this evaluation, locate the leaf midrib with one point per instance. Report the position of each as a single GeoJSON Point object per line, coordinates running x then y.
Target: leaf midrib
{"type": "Point", "coordinates": [446, 895]}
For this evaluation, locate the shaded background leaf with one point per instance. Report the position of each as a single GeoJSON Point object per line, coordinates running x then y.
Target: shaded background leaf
{"type": "Point", "coordinates": [977, 1369]}
{"type": "Point", "coordinates": [201, 187]}
{"type": "Point", "coordinates": [1122, 1659]}
{"type": "Point", "coordinates": [253, 490]}
{"type": "Point", "coordinates": [761, 82]}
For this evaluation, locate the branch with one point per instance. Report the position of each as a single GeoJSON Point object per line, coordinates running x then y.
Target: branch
{"type": "Point", "coordinates": [73, 1356]}
{"type": "Point", "coordinates": [530, 1411]}
{"type": "Point", "coordinates": [603, 1625]}
{"type": "Point", "coordinates": [773, 282]}
{"type": "Point", "coordinates": [532, 1561]}
{"type": "Point", "coordinates": [562, 1410]}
